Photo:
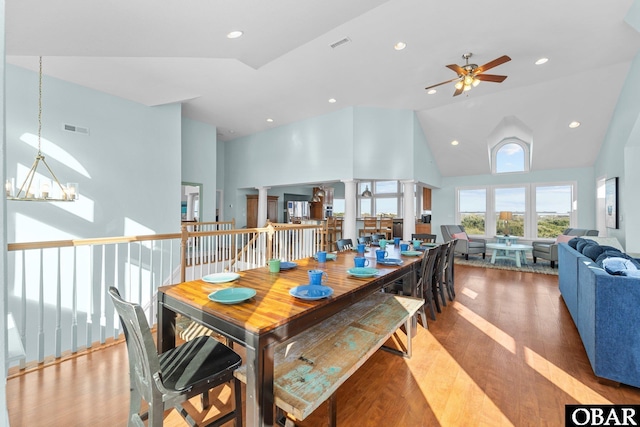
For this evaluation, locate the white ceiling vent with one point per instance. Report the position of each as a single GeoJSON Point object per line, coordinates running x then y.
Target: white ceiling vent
{"type": "Point", "coordinates": [75, 129]}
{"type": "Point", "coordinates": [340, 42]}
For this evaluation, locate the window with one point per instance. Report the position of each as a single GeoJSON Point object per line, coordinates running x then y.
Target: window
{"type": "Point", "coordinates": [533, 210]}
{"type": "Point", "coordinates": [511, 201]}
{"type": "Point", "coordinates": [511, 155]}
{"type": "Point", "coordinates": [338, 207]}
{"type": "Point", "coordinates": [553, 209]}
{"type": "Point", "coordinates": [472, 209]}
{"type": "Point", "coordinates": [386, 199]}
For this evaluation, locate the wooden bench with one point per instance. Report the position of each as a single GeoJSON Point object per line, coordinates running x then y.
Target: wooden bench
{"type": "Point", "coordinates": [310, 367]}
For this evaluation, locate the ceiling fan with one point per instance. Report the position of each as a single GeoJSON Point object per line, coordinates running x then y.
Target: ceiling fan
{"type": "Point", "coordinates": [470, 75]}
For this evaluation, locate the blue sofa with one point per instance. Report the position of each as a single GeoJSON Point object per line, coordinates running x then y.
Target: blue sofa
{"type": "Point", "coordinates": [606, 310]}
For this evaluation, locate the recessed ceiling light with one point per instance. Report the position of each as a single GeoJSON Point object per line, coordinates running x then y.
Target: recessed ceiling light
{"type": "Point", "coordinates": [399, 45]}
{"type": "Point", "coordinates": [270, 120]}
{"type": "Point", "coordinates": [234, 34]}
{"type": "Point", "coordinates": [574, 124]}
{"type": "Point", "coordinates": [431, 92]}
{"type": "Point", "coordinates": [332, 100]}
{"type": "Point", "coordinates": [454, 142]}
{"type": "Point", "coordinates": [541, 61]}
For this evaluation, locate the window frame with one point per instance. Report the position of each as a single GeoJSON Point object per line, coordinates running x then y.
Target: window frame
{"type": "Point", "coordinates": [526, 148]}
{"type": "Point", "coordinates": [530, 214]}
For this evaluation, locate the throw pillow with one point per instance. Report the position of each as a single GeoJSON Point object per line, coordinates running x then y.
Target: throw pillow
{"type": "Point", "coordinates": [592, 251]}
{"type": "Point", "coordinates": [574, 242]}
{"type": "Point", "coordinates": [563, 238]}
{"type": "Point", "coordinates": [581, 244]}
{"type": "Point", "coordinates": [607, 254]}
{"type": "Point", "coordinates": [616, 265]}
{"type": "Point", "coordinates": [462, 235]}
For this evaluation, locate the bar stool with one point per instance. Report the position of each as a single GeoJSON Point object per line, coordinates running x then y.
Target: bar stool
{"type": "Point", "coordinates": [386, 227]}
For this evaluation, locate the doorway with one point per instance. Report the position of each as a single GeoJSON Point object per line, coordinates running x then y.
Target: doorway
{"type": "Point", "coordinates": [190, 201]}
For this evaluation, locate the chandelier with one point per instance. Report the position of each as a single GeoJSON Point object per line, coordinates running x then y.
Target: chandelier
{"type": "Point", "coordinates": [46, 190]}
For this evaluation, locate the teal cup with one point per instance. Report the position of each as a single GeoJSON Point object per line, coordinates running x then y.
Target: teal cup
{"type": "Point", "coordinates": [321, 256]}
{"type": "Point", "coordinates": [317, 277]}
{"type": "Point", "coordinates": [382, 243]}
{"type": "Point", "coordinates": [417, 243]}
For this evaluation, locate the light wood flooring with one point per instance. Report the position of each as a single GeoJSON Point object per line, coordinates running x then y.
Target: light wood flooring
{"type": "Point", "coordinates": [504, 353]}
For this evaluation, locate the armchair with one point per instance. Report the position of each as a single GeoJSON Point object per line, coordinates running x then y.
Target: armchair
{"type": "Point", "coordinates": [549, 250]}
{"type": "Point", "coordinates": [465, 245]}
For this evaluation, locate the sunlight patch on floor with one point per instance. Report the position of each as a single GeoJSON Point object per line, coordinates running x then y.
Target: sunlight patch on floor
{"type": "Point", "coordinates": [469, 293]}
{"type": "Point", "coordinates": [453, 389]}
{"type": "Point", "coordinates": [562, 380]}
{"type": "Point", "coordinates": [493, 332]}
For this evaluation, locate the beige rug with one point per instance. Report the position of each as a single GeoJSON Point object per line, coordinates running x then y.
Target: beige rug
{"type": "Point", "coordinates": [542, 267]}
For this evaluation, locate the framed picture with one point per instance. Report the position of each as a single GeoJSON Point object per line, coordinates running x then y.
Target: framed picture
{"type": "Point", "coordinates": [611, 203]}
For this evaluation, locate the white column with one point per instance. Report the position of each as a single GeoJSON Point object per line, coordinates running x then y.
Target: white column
{"type": "Point", "coordinates": [262, 206]}
{"type": "Point", "coordinates": [350, 208]}
{"type": "Point", "coordinates": [409, 214]}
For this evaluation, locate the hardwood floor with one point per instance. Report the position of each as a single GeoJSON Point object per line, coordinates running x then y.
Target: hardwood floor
{"type": "Point", "coordinates": [505, 352]}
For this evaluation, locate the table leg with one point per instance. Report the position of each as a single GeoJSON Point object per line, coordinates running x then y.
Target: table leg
{"type": "Point", "coordinates": [260, 401]}
{"type": "Point", "coordinates": [166, 329]}
{"type": "Point", "coordinates": [517, 256]}
{"type": "Point", "coordinates": [493, 256]}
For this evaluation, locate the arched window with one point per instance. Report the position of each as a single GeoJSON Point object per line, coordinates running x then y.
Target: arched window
{"type": "Point", "coordinates": [511, 155]}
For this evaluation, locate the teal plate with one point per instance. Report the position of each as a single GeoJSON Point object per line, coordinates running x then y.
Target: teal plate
{"type": "Point", "coordinates": [362, 271]}
{"type": "Point", "coordinates": [232, 295]}
{"type": "Point", "coordinates": [311, 292]}
{"type": "Point", "coordinates": [411, 253]}
{"type": "Point", "coordinates": [330, 257]}
{"type": "Point", "coordinates": [220, 277]}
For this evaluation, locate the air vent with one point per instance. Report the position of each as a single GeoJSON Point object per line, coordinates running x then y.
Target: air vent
{"type": "Point", "coordinates": [75, 129]}
{"type": "Point", "coordinates": [340, 43]}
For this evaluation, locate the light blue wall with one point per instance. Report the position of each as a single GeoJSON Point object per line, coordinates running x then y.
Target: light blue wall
{"type": "Point", "coordinates": [199, 158]}
{"type": "Point", "coordinates": [424, 164]}
{"type": "Point", "coordinates": [354, 143]}
{"type": "Point", "coordinates": [382, 144]}
{"type": "Point", "coordinates": [619, 152]}
{"type": "Point", "coordinates": [131, 158]}
{"type": "Point", "coordinates": [444, 202]}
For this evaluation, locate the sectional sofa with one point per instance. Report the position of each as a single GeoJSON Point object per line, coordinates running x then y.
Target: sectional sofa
{"type": "Point", "coordinates": [605, 307]}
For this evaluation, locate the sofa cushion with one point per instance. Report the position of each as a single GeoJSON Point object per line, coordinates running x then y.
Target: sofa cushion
{"type": "Point", "coordinates": [618, 265]}
{"type": "Point", "coordinates": [592, 251]}
{"type": "Point", "coordinates": [631, 273]}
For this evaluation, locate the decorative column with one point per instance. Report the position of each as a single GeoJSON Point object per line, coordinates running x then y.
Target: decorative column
{"type": "Point", "coordinates": [350, 209]}
{"type": "Point", "coordinates": [409, 211]}
{"type": "Point", "coordinates": [262, 206]}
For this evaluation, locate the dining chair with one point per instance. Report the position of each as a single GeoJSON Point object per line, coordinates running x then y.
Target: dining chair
{"type": "Point", "coordinates": [344, 244]}
{"type": "Point", "coordinates": [169, 379]}
{"type": "Point", "coordinates": [448, 270]}
{"type": "Point", "coordinates": [438, 277]}
{"type": "Point", "coordinates": [426, 277]}
{"type": "Point", "coordinates": [365, 240]}
{"type": "Point", "coordinates": [426, 238]}
{"type": "Point", "coordinates": [370, 226]}
{"type": "Point", "coordinates": [386, 227]}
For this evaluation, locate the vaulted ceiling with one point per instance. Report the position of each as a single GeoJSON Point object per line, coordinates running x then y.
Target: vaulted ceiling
{"type": "Point", "coordinates": [284, 68]}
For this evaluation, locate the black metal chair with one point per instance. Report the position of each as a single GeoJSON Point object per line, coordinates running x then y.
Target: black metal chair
{"type": "Point", "coordinates": [344, 244]}
{"type": "Point", "coordinates": [171, 378]}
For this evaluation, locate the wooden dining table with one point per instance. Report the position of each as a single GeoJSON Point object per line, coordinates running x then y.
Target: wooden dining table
{"type": "Point", "coordinates": [273, 315]}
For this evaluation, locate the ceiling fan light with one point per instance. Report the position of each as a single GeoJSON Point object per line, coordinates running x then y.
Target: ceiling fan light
{"type": "Point", "coordinates": [459, 85]}
{"type": "Point", "coordinates": [475, 83]}
{"type": "Point", "coordinates": [467, 87]}
{"type": "Point", "coordinates": [468, 79]}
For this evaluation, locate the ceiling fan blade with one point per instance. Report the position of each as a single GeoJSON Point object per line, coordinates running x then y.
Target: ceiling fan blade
{"type": "Point", "coordinates": [458, 69]}
{"type": "Point", "coordinates": [443, 83]}
{"type": "Point", "coordinates": [494, 63]}
{"type": "Point", "coordinates": [458, 91]}
{"type": "Point", "coordinates": [490, 78]}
